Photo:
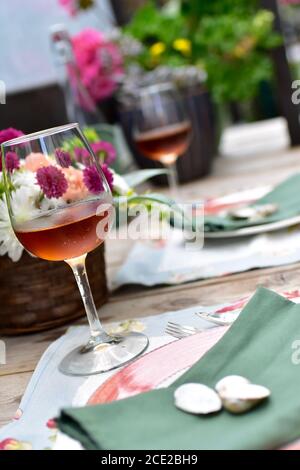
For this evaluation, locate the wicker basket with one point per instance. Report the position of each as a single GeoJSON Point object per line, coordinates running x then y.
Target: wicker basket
{"type": "Point", "coordinates": [37, 295]}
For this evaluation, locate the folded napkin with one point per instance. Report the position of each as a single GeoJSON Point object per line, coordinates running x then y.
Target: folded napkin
{"type": "Point", "coordinates": [286, 195]}
{"type": "Point", "coordinates": [258, 346]}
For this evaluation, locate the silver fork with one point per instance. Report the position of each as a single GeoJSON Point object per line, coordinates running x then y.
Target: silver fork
{"type": "Point", "coordinates": [217, 319]}
{"type": "Point", "coordinates": [180, 331]}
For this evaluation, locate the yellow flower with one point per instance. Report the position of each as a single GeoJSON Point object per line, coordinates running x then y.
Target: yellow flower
{"type": "Point", "coordinates": [157, 49]}
{"type": "Point", "coordinates": [183, 45]}
{"type": "Point", "coordinates": [244, 47]}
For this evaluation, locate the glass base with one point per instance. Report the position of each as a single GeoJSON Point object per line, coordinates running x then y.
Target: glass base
{"type": "Point", "coordinates": [104, 356]}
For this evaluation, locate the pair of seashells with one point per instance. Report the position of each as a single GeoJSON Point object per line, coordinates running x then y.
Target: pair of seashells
{"type": "Point", "coordinates": [235, 393]}
{"type": "Point", "coordinates": [253, 212]}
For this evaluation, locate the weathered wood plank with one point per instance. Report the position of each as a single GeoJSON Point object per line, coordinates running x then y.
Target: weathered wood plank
{"type": "Point", "coordinates": [23, 353]}
{"type": "Point", "coordinates": [11, 390]}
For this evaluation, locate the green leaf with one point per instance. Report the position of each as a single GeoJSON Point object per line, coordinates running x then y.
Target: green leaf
{"type": "Point", "coordinates": [155, 198]}
{"type": "Point", "coordinates": [121, 202]}
{"type": "Point", "coordinates": [137, 177]}
{"type": "Point", "coordinates": [177, 216]}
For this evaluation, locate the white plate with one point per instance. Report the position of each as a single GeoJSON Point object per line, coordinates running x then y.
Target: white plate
{"type": "Point", "coordinates": [255, 229]}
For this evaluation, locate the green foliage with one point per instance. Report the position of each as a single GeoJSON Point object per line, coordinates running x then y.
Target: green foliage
{"type": "Point", "coordinates": [151, 26]}
{"type": "Point", "coordinates": [230, 39]}
{"type": "Point", "coordinates": [200, 8]}
{"type": "Point", "coordinates": [235, 54]}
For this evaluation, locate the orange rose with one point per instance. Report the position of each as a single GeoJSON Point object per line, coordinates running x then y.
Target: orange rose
{"type": "Point", "coordinates": [34, 161]}
{"type": "Point", "coordinates": [76, 187]}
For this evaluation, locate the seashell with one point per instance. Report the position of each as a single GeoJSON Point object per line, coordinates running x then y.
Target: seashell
{"type": "Point", "coordinates": [253, 212]}
{"type": "Point", "coordinates": [197, 399]}
{"type": "Point", "coordinates": [240, 397]}
{"type": "Point", "coordinates": [230, 381]}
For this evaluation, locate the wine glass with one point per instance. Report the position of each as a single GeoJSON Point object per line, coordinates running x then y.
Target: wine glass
{"type": "Point", "coordinates": [162, 129]}
{"type": "Point", "coordinates": [61, 208]}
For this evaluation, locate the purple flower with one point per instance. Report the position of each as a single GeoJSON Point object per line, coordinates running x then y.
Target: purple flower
{"type": "Point", "coordinates": [92, 179]}
{"type": "Point", "coordinates": [82, 155]}
{"type": "Point", "coordinates": [12, 162]}
{"type": "Point", "coordinates": [63, 158]}
{"type": "Point", "coordinates": [8, 134]}
{"type": "Point", "coordinates": [52, 181]}
{"type": "Point", "coordinates": [108, 175]}
{"type": "Point", "coordinates": [105, 151]}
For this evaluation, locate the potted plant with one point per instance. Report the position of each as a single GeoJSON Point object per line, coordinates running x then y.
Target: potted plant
{"type": "Point", "coordinates": [227, 41]}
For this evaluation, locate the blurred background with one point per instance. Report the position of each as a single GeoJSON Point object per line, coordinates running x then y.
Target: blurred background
{"type": "Point", "coordinates": [233, 62]}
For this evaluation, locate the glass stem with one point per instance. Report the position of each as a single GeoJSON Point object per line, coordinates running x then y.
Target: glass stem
{"type": "Point", "coordinates": [173, 180]}
{"type": "Point", "coordinates": [98, 335]}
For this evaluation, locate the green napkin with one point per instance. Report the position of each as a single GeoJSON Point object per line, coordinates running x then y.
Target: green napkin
{"type": "Point", "coordinates": [286, 195]}
{"type": "Point", "coordinates": [258, 346]}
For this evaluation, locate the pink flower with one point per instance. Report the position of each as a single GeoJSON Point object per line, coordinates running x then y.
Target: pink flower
{"type": "Point", "coordinates": [99, 62]}
{"type": "Point", "coordinates": [52, 181]}
{"type": "Point", "coordinates": [63, 158]}
{"type": "Point", "coordinates": [12, 162]}
{"type": "Point", "coordinates": [71, 6]}
{"type": "Point", "coordinates": [92, 179]}
{"type": "Point", "coordinates": [8, 134]}
{"type": "Point", "coordinates": [108, 175]}
{"type": "Point", "coordinates": [34, 161]}
{"type": "Point", "coordinates": [105, 151]}
{"type": "Point", "coordinates": [76, 187]}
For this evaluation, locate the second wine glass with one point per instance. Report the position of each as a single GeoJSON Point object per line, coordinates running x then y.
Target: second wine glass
{"type": "Point", "coordinates": [162, 128]}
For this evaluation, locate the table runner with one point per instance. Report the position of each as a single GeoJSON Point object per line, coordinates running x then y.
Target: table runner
{"type": "Point", "coordinates": [153, 263]}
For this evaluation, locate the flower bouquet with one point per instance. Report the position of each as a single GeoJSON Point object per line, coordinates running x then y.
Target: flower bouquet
{"type": "Point", "coordinates": [44, 182]}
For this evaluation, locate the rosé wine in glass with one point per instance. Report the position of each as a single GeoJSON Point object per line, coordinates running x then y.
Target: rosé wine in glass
{"type": "Point", "coordinates": [162, 128]}
{"type": "Point", "coordinates": [166, 144]}
{"type": "Point", "coordinates": [64, 234]}
{"type": "Point", "coordinates": [60, 204]}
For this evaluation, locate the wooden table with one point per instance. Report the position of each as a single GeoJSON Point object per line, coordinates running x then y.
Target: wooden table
{"type": "Point", "coordinates": [229, 175]}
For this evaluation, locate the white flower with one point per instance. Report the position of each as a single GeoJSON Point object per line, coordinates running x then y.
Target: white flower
{"type": "Point", "coordinates": [9, 244]}
{"type": "Point", "coordinates": [25, 178]}
{"type": "Point", "coordinates": [27, 202]}
{"type": "Point", "coordinates": [53, 203]}
{"type": "Point", "coordinates": [23, 205]}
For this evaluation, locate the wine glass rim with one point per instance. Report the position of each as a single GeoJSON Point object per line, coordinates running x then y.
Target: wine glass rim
{"type": "Point", "coordinates": [43, 133]}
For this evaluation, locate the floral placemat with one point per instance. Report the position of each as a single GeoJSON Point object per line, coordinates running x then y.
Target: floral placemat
{"type": "Point", "coordinates": [33, 426]}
